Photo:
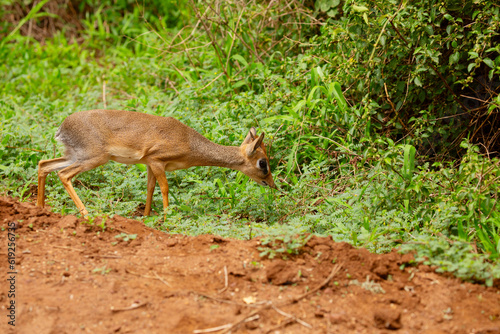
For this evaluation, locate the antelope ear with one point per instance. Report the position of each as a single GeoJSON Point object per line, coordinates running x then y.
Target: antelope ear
{"type": "Point", "coordinates": [250, 136]}
{"type": "Point", "coordinates": [252, 147]}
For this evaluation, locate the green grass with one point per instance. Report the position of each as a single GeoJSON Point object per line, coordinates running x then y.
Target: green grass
{"type": "Point", "coordinates": [337, 175]}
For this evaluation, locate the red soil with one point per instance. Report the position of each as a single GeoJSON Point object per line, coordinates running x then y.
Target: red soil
{"type": "Point", "coordinates": [74, 277]}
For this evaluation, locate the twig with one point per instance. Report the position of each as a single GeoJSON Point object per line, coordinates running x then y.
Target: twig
{"type": "Point", "coordinates": [208, 84]}
{"type": "Point", "coordinates": [220, 300]}
{"type": "Point", "coordinates": [105, 256]}
{"type": "Point", "coordinates": [219, 52]}
{"type": "Point", "coordinates": [334, 271]}
{"type": "Point", "coordinates": [292, 317]}
{"type": "Point", "coordinates": [345, 148]}
{"type": "Point", "coordinates": [225, 281]}
{"type": "Point", "coordinates": [298, 42]}
{"type": "Point", "coordinates": [219, 328]}
{"type": "Point", "coordinates": [233, 39]}
{"type": "Point", "coordinates": [158, 277]}
{"type": "Point", "coordinates": [394, 108]}
{"type": "Point", "coordinates": [131, 307]}
{"type": "Point", "coordinates": [250, 316]}
{"type": "Point", "coordinates": [213, 329]}
{"type": "Point", "coordinates": [25, 148]}
{"type": "Point", "coordinates": [269, 304]}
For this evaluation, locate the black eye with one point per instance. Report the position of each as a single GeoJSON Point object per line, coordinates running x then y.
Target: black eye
{"type": "Point", "coordinates": [262, 164]}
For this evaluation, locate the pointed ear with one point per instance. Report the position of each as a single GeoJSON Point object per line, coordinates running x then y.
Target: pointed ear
{"type": "Point", "coordinates": [250, 136]}
{"type": "Point", "coordinates": [252, 147]}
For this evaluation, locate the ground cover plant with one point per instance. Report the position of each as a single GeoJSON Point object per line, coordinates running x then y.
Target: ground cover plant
{"type": "Point", "coordinates": [382, 116]}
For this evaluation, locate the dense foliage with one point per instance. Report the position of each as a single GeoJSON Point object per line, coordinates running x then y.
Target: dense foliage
{"type": "Point", "coordinates": [381, 115]}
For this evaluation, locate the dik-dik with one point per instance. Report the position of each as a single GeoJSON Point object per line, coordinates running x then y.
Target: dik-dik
{"type": "Point", "coordinates": [94, 137]}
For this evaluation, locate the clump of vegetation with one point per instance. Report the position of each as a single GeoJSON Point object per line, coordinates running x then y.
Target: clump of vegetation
{"type": "Point", "coordinates": [382, 116]}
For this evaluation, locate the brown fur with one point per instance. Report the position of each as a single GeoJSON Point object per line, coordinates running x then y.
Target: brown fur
{"type": "Point", "coordinates": [94, 137]}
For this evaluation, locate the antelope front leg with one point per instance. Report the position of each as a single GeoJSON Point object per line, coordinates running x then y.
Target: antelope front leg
{"type": "Point", "coordinates": [159, 173]}
{"type": "Point", "coordinates": [150, 191]}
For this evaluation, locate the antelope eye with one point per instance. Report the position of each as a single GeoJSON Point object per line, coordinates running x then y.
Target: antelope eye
{"type": "Point", "coordinates": [262, 163]}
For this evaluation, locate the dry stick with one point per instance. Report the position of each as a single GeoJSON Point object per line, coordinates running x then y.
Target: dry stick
{"type": "Point", "coordinates": [481, 126]}
{"type": "Point", "coordinates": [24, 148]}
{"type": "Point", "coordinates": [213, 329]}
{"type": "Point", "coordinates": [171, 84]}
{"type": "Point", "coordinates": [179, 71]}
{"type": "Point", "coordinates": [219, 300]}
{"type": "Point", "coordinates": [136, 40]}
{"type": "Point", "coordinates": [345, 148]}
{"type": "Point", "coordinates": [216, 46]}
{"type": "Point", "coordinates": [292, 317]}
{"type": "Point", "coordinates": [233, 39]}
{"type": "Point", "coordinates": [239, 37]}
{"type": "Point", "coordinates": [216, 329]}
{"type": "Point", "coordinates": [298, 42]}
{"type": "Point", "coordinates": [225, 281]}
{"type": "Point", "coordinates": [131, 307]}
{"type": "Point", "coordinates": [158, 277]}
{"type": "Point", "coordinates": [334, 271]}
{"type": "Point", "coordinates": [213, 80]}
{"type": "Point", "coordinates": [394, 108]}
{"type": "Point", "coordinates": [249, 316]}
{"type": "Point", "coordinates": [261, 23]}
{"type": "Point", "coordinates": [152, 277]}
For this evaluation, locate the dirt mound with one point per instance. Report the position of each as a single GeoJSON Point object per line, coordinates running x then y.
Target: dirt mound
{"type": "Point", "coordinates": [119, 276]}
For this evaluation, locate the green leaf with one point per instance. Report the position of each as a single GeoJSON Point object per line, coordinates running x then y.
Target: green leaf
{"type": "Point", "coordinates": [185, 208]}
{"type": "Point", "coordinates": [409, 162]}
{"type": "Point", "coordinates": [332, 12]}
{"type": "Point", "coordinates": [336, 90]}
{"type": "Point", "coordinates": [489, 62]}
{"type": "Point", "coordinates": [240, 59]}
{"type": "Point", "coordinates": [359, 9]}
{"type": "Point", "coordinates": [324, 5]}
{"type": "Point", "coordinates": [473, 55]}
{"type": "Point", "coordinates": [365, 18]}
{"type": "Point", "coordinates": [417, 81]}
{"type": "Point", "coordinates": [454, 58]}
{"type": "Point", "coordinates": [239, 84]}
{"type": "Point", "coordinates": [5, 139]}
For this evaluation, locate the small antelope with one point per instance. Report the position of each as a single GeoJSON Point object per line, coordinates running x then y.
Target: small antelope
{"type": "Point", "coordinates": [94, 137]}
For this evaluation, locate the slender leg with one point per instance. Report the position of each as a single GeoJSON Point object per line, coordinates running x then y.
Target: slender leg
{"type": "Point", "coordinates": [73, 170]}
{"type": "Point", "coordinates": [44, 168]}
{"type": "Point", "coordinates": [159, 173]}
{"type": "Point", "coordinates": [151, 188]}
